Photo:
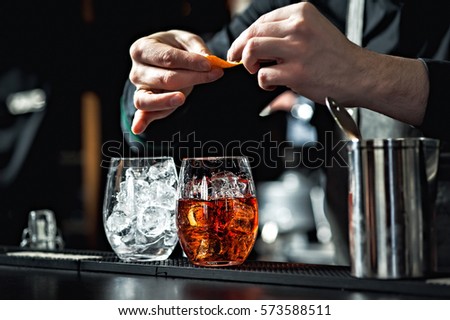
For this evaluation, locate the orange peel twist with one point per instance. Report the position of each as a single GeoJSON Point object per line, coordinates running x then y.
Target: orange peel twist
{"type": "Point", "coordinates": [220, 63]}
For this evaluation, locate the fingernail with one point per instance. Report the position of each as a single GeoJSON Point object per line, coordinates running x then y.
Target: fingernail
{"type": "Point", "coordinates": [266, 111]}
{"type": "Point", "coordinates": [229, 55]}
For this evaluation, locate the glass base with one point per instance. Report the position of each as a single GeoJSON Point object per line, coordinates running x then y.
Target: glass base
{"type": "Point", "coordinates": [217, 263]}
{"type": "Point", "coordinates": [143, 257]}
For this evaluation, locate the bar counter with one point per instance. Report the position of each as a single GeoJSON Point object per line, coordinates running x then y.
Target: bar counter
{"type": "Point", "coordinates": [73, 274]}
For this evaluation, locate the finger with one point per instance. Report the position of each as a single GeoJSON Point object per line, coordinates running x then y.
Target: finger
{"type": "Point", "coordinates": [146, 100]}
{"type": "Point", "coordinates": [142, 119]}
{"type": "Point", "coordinates": [266, 50]}
{"type": "Point", "coordinates": [169, 79]}
{"type": "Point", "coordinates": [151, 52]}
{"type": "Point", "coordinates": [271, 77]}
{"type": "Point", "coordinates": [284, 101]}
{"type": "Point", "coordinates": [191, 42]}
{"type": "Point", "coordinates": [268, 25]}
{"type": "Point", "coordinates": [255, 31]}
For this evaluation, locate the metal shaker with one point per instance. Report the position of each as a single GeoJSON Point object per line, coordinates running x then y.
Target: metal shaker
{"type": "Point", "coordinates": [392, 189]}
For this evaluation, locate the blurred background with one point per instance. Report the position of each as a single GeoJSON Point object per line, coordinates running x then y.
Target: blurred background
{"type": "Point", "coordinates": [62, 70]}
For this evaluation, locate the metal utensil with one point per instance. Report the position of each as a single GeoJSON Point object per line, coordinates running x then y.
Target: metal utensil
{"type": "Point", "coordinates": [392, 192]}
{"type": "Point", "coordinates": [343, 119]}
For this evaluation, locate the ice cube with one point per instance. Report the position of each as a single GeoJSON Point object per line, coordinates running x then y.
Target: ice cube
{"type": "Point", "coordinates": [225, 185]}
{"type": "Point", "coordinates": [127, 193]}
{"type": "Point", "coordinates": [119, 224]}
{"type": "Point", "coordinates": [209, 247]}
{"type": "Point", "coordinates": [240, 244]}
{"type": "Point", "coordinates": [121, 195]}
{"type": "Point", "coordinates": [198, 215]}
{"type": "Point", "coordinates": [242, 217]}
{"type": "Point", "coordinates": [133, 196]}
{"type": "Point", "coordinates": [141, 194]}
{"type": "Point", "coordinates": [244, 186]}
{"type": "Point", "coordinates": [136, 173]}
{"type": "Point", "coordinates": [170, 232]}
{"type": "Point", "coordinates": [162, 195]}
{"type": "Point", "coordinates": [152, 221]}
{"type": "Point", "coordinates": [197, 188]}
{"type": "Point", "coordinates": [164, 171]}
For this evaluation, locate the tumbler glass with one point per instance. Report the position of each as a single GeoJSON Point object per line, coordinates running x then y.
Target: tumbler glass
{"type": "Point", "coordinates": [139, 208]}
{"type": "Point", "coordinates": [217, 216]}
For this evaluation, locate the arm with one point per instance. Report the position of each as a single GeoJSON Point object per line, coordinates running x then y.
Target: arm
{"type": "Point", "coordinates": [316, 60]}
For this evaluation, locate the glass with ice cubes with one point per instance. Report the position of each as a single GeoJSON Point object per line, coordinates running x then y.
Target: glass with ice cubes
{"type": "Point", "coordinates": [139, 208]}
{"type": "Point", "coordinates": [217, 213]}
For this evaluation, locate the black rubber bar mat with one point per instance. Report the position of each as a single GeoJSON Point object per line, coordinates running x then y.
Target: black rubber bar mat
{"type": "Point", "coordinates": [65, 260]}
{"type": "Point", "coordinates": [258, 272]}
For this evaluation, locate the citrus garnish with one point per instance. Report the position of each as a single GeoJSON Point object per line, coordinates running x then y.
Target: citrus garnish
{"type": "Point", "coordinates": [220, 63]}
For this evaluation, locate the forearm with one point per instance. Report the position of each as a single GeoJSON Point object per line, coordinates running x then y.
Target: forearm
{"type": "Point", "coordinates": [397, 87]}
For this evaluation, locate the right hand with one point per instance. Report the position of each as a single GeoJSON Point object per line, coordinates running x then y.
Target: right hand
{"type": "Point", "coordinates": [166, 66]}
{"type": "Point", "coordinates": [313, 58]}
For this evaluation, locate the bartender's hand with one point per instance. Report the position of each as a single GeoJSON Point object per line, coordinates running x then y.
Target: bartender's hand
{"type": "Point", "coordinates": [313, 58]}
{"type": "Point", "coordinates": [166, 66]}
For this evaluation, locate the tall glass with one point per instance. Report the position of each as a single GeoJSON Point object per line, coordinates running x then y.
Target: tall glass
{"type": "Point", "coordinates": [217, 216]}
{"type": "Point", "coordinates": [139, 208]}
